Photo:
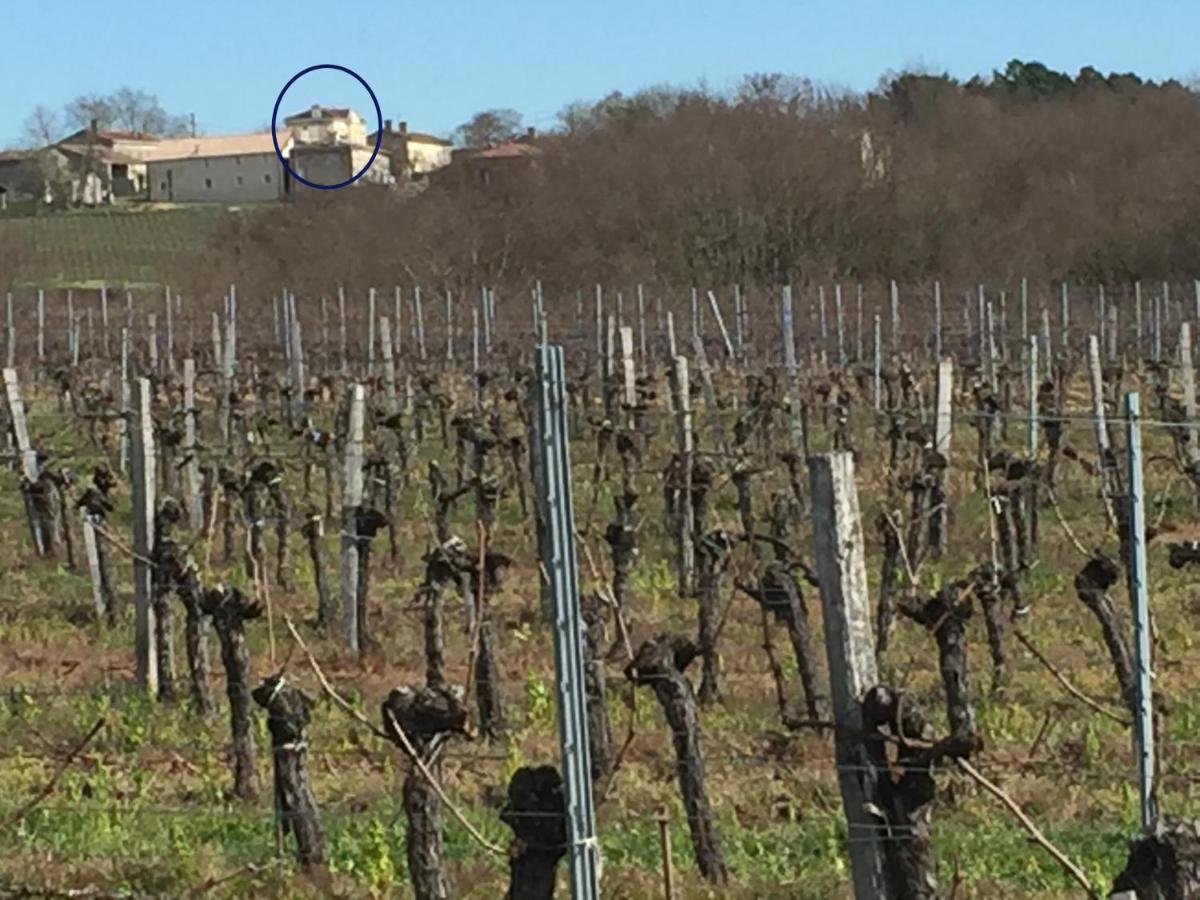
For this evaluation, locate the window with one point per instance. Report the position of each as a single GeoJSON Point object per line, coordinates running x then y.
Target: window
{"type": "Point", "coordinates": [208, 183]}
{"type": "Point", "coordinates": [267, 178]}
{"type": "Point", "coordinates": [238, 180]}
{"type": "Point", "coordinates": [162, 186]}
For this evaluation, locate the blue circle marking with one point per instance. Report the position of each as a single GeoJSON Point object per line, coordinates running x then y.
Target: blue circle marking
{"type": "Point", "coordinates": [378, 130]}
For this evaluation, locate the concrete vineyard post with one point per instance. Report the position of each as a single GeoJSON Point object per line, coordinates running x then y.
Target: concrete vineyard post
{"type": "Point", "coordinates": [839, 551]}
{"type": "Point", "coordinates": [795, 419]}
{"type": "Point", "coordinates": [685, 522]}
{"type": "Point", "coordinates": [298, 377]}
{"type": "Point", "coordinates": [939, 522]}
{"type": "Point", "coordinates": [641, 308]}
{"type": "Point", "coordinates": [143, 472]}
{"type": "Point", "coordinates": [371, 331]}
{"type": "Point", "coordinates": [937, 320]}
{"type": "Point", "coordinates": [1139, 596]}
{"type": "Point", "coordinates": [123, 428]}
{"type": "Point", "coordinates": [29, 461]}
{"type": "Point", "coordinates": [878, 370]}
{"type": "Point", "coordinates": [895, 298]}
{"type": "Point", "coordinates": [839, 322]}
{"type": "Point", "coordinates": [195, 505]}
{"type": "Point", "coordinates": [170, 319]}
{"type": "Point", "coordinates": [352, 495]}
{"type": "Point", "coordinates": [1187, 377]}
{"type": "Point", "coordinates": [389, 366]}
{"type": "Point", "coordinates": [1031, 396]}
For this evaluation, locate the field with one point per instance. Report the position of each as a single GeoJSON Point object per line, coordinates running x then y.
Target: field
{"type": "Point", "coordinates": [119, 247]}
{"type": "Point", "coordinates": [146, 805]}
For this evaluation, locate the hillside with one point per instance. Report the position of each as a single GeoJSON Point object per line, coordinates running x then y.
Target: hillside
{"type": "Point", "coordinates": [116, 247]}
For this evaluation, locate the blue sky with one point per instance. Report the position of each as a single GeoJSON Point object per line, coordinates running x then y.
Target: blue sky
{"type": "Point", "coordinates": [434, 64]}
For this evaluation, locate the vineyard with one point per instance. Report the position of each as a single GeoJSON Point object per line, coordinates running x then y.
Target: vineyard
{"type": "Point", "coordinates": [115, 247]}
{"type": "Point", "coordinates": [883, 590]}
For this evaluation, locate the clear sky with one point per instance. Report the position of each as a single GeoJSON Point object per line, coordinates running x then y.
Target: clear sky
{"type": "Point", "coordinates": [434, 64]}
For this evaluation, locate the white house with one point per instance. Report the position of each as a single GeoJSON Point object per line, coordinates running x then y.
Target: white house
{"type": "Point", "coordinates": [236, 168]}
{"type": "Point", "coordinates": [412, 153]}
{"type": "Point", "coordinates": [327, 125]}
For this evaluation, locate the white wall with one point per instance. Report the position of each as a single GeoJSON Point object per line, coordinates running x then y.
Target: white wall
{"type": "Point", "coordinates": [424, 158]}
{"type": "Point", "coordinates": [217, 179]}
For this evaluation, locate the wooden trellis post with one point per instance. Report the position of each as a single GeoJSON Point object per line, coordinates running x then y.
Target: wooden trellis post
{"type": "Point", "coordinates": [716, 310]}
{"type": "Point", "coordinates": [419, 323]}
{"type": "Point", "coordinates": [895, 295]}
{"type": "Point", "coordinates": [41, 325]}
{"type": "Point", "coordinates": [170, 330]}
{"type": "Point", "coordinates": [104, 320]}
{"type": "Point", "coordinates": [11, 331]}
{"type": "Point", "coordinates": [143, 466]}
{"type": "Point", "coordinates": [839, 551]}
{"type": "Point", "coordinates": [123, 428]}
{"type": "Point", "coordinates": [343, 362]}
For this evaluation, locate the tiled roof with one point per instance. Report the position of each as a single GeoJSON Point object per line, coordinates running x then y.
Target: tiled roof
{"type": "Point", "coordinates": [511, 150]}
{"type": "Point", "coordinates": [217, 145]}
{"type": "Point", "coordinates": [418, 137]}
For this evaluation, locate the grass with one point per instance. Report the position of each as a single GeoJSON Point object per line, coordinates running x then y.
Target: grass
{"type": "Point", "coordinates": [144, 810]}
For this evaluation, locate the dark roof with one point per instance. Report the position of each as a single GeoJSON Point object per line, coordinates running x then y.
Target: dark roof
{"type": "Point", "coordinates": [109, 136]}
{"type": "Point", "coordinates": [326, 112]}
{"type": "Point", "coordinates": [16, 155]}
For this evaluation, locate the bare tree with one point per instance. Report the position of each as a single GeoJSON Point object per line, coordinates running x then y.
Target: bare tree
{"type": "Point", "coordinates": [126, 109]}
{"type": "Point", "coordinates": [487, 128]}
{"type": "Point", "coordinates": [41, 127]}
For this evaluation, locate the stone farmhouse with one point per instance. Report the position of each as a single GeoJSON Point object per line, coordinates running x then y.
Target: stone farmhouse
{"type": "Point", "coordinates": [325, 145]}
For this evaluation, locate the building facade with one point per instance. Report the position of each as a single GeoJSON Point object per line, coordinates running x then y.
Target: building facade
{"type": "Point", "coordinates": [240, 168]}
{"type": "Point", "coordinates": [326, 125]}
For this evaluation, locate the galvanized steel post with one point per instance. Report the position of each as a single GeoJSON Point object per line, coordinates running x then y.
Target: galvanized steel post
{"type": "Point", "coordinates": [561, 567]}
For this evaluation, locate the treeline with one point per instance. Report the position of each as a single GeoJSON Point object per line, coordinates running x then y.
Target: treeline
{"type": "Point", "coordinates": [1025, 172]}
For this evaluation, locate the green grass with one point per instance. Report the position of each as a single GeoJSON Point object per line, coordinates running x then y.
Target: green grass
{"type": "Point", "coordinates": [121, 247]}
{"type": "Point", "coordinates": [145, 808]}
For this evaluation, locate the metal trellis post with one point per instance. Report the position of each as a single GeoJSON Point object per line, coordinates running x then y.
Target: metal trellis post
{"type": "Point", "coordinates": [561, 568]}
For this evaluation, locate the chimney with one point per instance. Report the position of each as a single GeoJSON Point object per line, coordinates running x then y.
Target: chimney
{"type": "Point", "coordinates": [403, 127]}
{"type": "Point", "coordinates": [94, 125]}
{"type": "Point", "coordinates": [530, 133]}
{"type": "Point", "coordinates": [316, 111]}
{"type": "Point", "coordinates": [387, 125]}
